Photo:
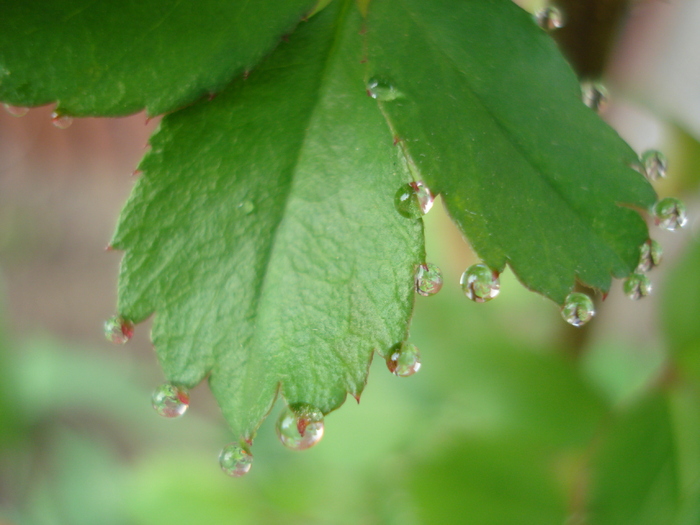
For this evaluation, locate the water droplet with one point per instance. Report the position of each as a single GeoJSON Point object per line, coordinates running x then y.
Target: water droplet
{"type": "Point", "coordinates": [170, 401]}
{"type": "Point", "coordinates": [247, 207]}
{"type": "Point", "coordinates": [637, 286]}
{"type": "Point", "coordinates": [118, 330]}
{"type": "Point", "coordinates": [654, 163]}
{"type": "Point", "coordinates": [16, 111]}
{"type": "Point", "coordinates": [595, 95]}
{"type": "Point", "coordinates": [61, 121]}
{"type": "Point", "coordinates": [550, 18]}
{"type": "Point", "coordinates": [650, 255]}
{"type": "Point", "coordinates": [578, 309]}
{"type": "Point", "coordinates": [480, 283]}
{"type": "Point", "coordinates": [382, 90]}
{"type": "Point", "coordinates": [670, 214]}
{"type": "Point", "coordinates": [413, 200]}
{"type": "Point", "coordinates": [235, 460]}
{"type": "Point", "coordinates": [404, 361]}
{"type": "Point", "coordinates": [428, 279]}
{"type": "Point", "coordinates": [300, 426]}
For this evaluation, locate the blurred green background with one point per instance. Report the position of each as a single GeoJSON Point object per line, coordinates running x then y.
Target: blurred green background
{"type": "Point", "coordinates": [515, 417]}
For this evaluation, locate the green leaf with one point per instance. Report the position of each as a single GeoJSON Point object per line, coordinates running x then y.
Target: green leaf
{"type": "Point", "coordinates": [116, 57]}
{"type": "Point", "coordinates": [264, 236]}
{"type": "Point", "coordinates": [490, 116]}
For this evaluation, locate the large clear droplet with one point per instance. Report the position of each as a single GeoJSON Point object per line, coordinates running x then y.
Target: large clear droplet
{"type": "Point", "coordinates": [170, 401]}
{"type": "Point", "coordinates": [637, 286]}
{"type": "Point", "coordinates": [300, 426]}
{"type": "Point", "coordinates": [428, 279]}
{"type": "Point", "coordinates": [578, 309]}
{"type": "Point", "coordinates": [480, 283]}
{"type": "Point", "coordinates": [382, 90]}
{"type": "Point", "coordinates": [235, 460]}
{"type": "Point", "coordinates": [654, 163]}
{"type": "Point", "coordinates": [650, 255]}
{"type": "Point", "coordinates": [118, 330]}
{"type": "Point", "coordinates": [595, 96]}
{"type": "Point", "coordinates": [549, 18]}
{"type": "Point", "coordinates": [61, 121]}
{"type": "Point", "coordinates": [670, 214]}
{"type": "Point", "coordinates": [16, 111]}
{"type": "Point", "coordinates": [404, 360]}
{"type": "Point", "coordinates": [413, 200]}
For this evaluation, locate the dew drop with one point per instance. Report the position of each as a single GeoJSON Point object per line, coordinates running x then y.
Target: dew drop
{"type": "Point", "coordinates": [413, 200]}
{"type": "Point", "coordinates": [300, 426]}
{"type": "Point", "coordinates": [650, 255]}
{"type": "Point", "coordinates": [16, 111]}
{"type": "Point", "coordinates": [382, 90]}
{"type": "Point", "coordinates": [170, 400]}
{"type": "Point", "coordinates": [578, 309]}
{"type": "Point", "coordinates": [247, 207]}
{"type": "Point", "coordinates": [61, 121]}
{"type": "Point", "coordinates": [549, 18]}
{"type": "Point", "coordinates": [480, 283]}
{"type": "Point", "coordinates": [235, 460]}
{"type": "Point", "coordinates": [655, 164]}
{"type": "Point", "coordinates": [428, 279]}
{"type": "Point", "coordinates": [118, 330]}
{"type": "Point", "coordinates": [404, 360]}
{"type": "Point", "coordinates": [637, 286]}
{"type": "Point", "coordinates": [594, 95]}
{"type": "Point", "coordinates": [670, 214]}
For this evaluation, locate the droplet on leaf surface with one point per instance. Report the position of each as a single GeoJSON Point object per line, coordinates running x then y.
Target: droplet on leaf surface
{"type": "Point", "coordinates": [413, 200]}
{"type": "Point", "coordinates": [247, 207]}
{"type": "Point", "coordinates": [428, 279]}
{"type": "Point", "coordinates": [118, 330]}
{"type": "Point", "coordinates": [382, 90]}
{"type": "Point", "coordinates": [655, 164]}
{"type": "Point", "coordinates": [550, 18]}
{"type": "Point", "coordinates": [650, 255]}
{"type": "Point", "coordinates": [170, 400]}
{"type": "Point", "coordinates": [578, 309]}
{"type": "Point", "coordinates": [670, 214]}
{"type": "Point", "coordinates": [637, 286]}
{"type": "Point", "coordinates": [16, 111]}
{"type": "Point", "coordinates": [404, 361]}
{"type": "Point", "coordinates": [61, 121]}
{"type": "Point", "coordinates": [594, 95]}
{"type": "Point", "coordinates": [480, 283]}
{"type": "Point", "coordinates": [300, 426]}
{"type": "Point", "coordinates": [235, 460]}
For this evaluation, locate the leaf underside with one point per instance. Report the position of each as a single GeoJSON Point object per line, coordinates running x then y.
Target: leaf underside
{"type": "Point", "coordinates": [490, 115]}
{"type": "Point", "coordinates": [262, 232]}
{"type": "Point", "coordinates": [111, 58]}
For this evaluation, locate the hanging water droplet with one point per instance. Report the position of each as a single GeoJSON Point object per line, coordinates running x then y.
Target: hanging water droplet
{"type": "Point", "coordinates": [637, 286]}
{"type": "Point", "coordinates": [413, 200]}
{"type": "Point", "coordinates": [235, 460]}
{"type": "Point", "coordinates": [670, 214]}
{"type": "Point", "coordinates": [550, 18]}
{"type": "Point", "coordinates": [404, 360]}
{"type": "Point", "coordinates": [654, 163]}
{"type": "Point", "coordinates": [118, 330]}
{"type": "Point", "coordinates": [382, 90]}
{"type": "Point", "coordinates": [428, 279]}
{"type": "Point", "coordinates": [650, 255]}
{"type": "Point", "coordinates": [300, 426]}
{"type": "Point", "coordinates": [16, 111]}
{"type": "Point", "coordinates": [61, 121]}
{"type": "Point", "coordinates": [578, 309]}
{"type": "Point", "coordinates": [480, 283]}
{"type": "Point", "coordinates": [247, 207]}
{"type": "Point", "coordinates": [170, 401]}
{"type": "Point", "coordinates": [594, 95]}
